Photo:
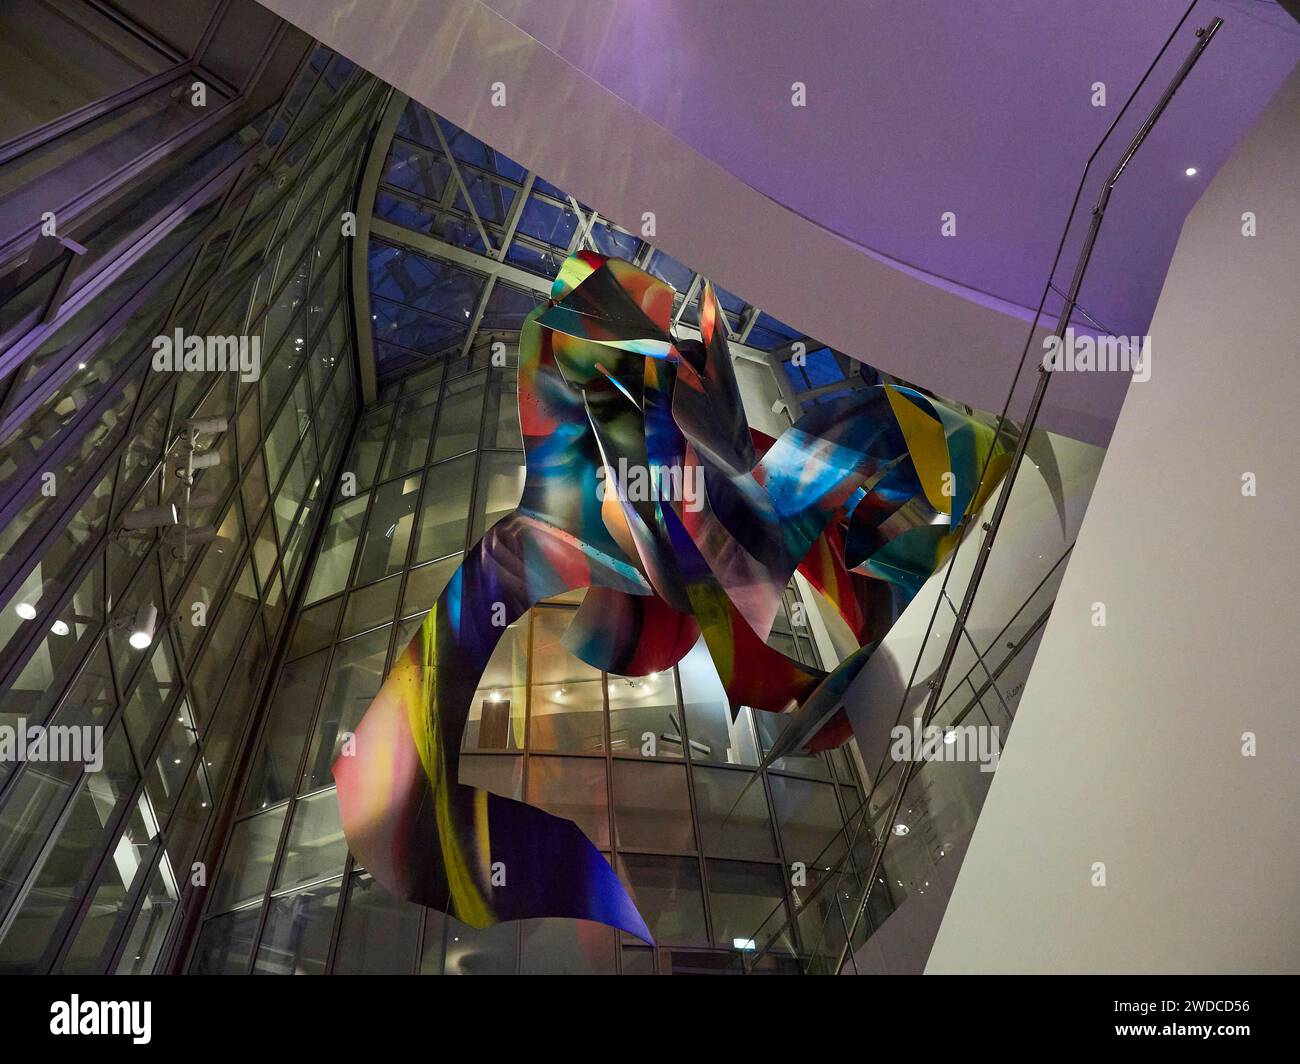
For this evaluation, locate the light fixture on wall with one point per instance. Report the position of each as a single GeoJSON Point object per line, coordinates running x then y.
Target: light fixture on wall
{"type": "Point", "coordinates": [27, 606]}
{"type": "Point", "coordinates": [142, 628]}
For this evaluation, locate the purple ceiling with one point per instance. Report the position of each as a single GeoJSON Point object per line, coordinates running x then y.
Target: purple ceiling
{"type": "Point", "coordinates": [980, 107]}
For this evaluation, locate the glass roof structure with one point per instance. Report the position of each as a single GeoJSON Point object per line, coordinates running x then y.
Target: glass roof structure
{"type": "Point", "coordinates": [465, 240]}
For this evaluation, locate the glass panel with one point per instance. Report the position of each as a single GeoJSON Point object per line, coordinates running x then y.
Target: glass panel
{"type": "Point", "coordinates": [471, 951]}
{"type": "Point", "coordinates": [461, 417]}
{"type": "Point", "coordinates": [566, 947]}
{"type": "Point", "coordinates": [152, 920]}
{"type": "Point", "coordinates": [226, 945]}
{"type": "Point", "coordinates": [567, 704]}
{"type": "Point", "coordinates": [652, 807]}
{"type": "Point", "coordinates": [247, 867]}
{"type": "Point", "coordinates": [296, 939]}
{"type": "Point", "coordinates": [731, 828]}
{"type": "Point", "coordinates": [741, 898]}
{"type": "Point", "coordinates": [425, 584]}
{"type": "Point", "coordinates": [499, 773]}
{"type": "Point", "coordinates": [496, 715]}
{"type": "Point", "coordinates": [643, 716]}
{"type": "Point", "coordinates": [412, 428]}
{"type": "Point", "coordinates": [276, 768]}
{"type": "Point", "coordinates": [500, 485]}
{"type": "Point", "coordinates": [379, 932]}
{"type": "Point", "coordinates": [356, 673]}
{"type": "Point", "coordinates": [573, 788]}
{"type": "Point", "coordinates": [444, 512]}
{"type": "Point", "coordinates": [809, 818]}
{"type": "Point", "coordinates": [371, 606]}
{"type": "Point", "coordinates": [316, 848]}
{"type": "Point", "coordinates": [388, 530]}
{"type": "Point", "coordinates": [315, 628]}
{"type": "Point", "coordinates": [714, 735]}
{"type": "Point", "coordinates": [330, 574]}
{"type": "Point", "coordinates": [668, 893]}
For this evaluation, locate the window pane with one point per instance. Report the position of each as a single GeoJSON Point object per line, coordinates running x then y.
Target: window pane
{"type": "Point", "coordinates": [566, 947]}
{"type": "Point", "coordinates": [247, 867]}
{"type": "Point", "coordinates": [388, 530]}
{"type": "Point", "coordinates": [315, 848]}
{"type": "Point", "coordinates": [379, 933]}
{"type": "Point", "coordinates": [742, 898]}
{"type": "Point", "coordinates": [667, 891]}
{"type": "Point", "coordinates": [809, 818]}
{"type": "Point", "coordinates": [714, 735]}
{"type": "Point", "coordinates": [731, 829]}
{"type": "Point", "coordinates": [296, 939]}
{"type": "Point", "coordinates": [567, 704]}
{"type": "Point", "coordinates": [573, 788]}
{"type": "Point", "coordinates": [444, 512]}
{"type": "Point", "coordinates": [276, 769]}
{"type": "Point", "coordinates": [643, 716]}
{"type": "Point", "coordinates": [356, 674]}
{"type": "Point", "coordinates": [226, 945]}
{"type": "Point", "coordinates": [496, 715]}
{"type": "Point", "coordinates": [652, 808]}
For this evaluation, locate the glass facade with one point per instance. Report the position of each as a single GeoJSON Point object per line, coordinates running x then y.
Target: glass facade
{"type": "Point", "coordinates": [648, 767]}
{"type": "Point", "coordinates": [213, 570]}
{"type": "Point", "coordinates": [96, 864]}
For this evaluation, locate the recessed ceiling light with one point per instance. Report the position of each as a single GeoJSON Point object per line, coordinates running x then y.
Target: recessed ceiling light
{"type": "Point", "coordinates": [901, 829]}
{"type": "Point", "coordinates": [1190, 171]}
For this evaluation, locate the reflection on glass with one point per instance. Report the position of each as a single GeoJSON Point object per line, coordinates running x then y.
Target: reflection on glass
{"type": "Point", "coordinates": [567, 704]}
{"type": "Point", "coordinates": [732, 825]}
{"type": "Point", "coordinates": [247, 866]}
{"type": "Point", "coordinates": [714, 735]}
{"type": "Point", "coordinates": [315, 848]}
{"type": "Point", "coordinates": [296, 939]}
{"type": "Point", "coordinates": [496, 714]}
{"type": "Point", "coordinates": [668, 893]}
{"type": "Point", "coordinates": [644, 718]}
{"type": "Point", "coordinates": [379, 932]}
{"type": "Point", "coordinates": [573, 788]}
{"type": "Point", "coordinates": [652, 807]}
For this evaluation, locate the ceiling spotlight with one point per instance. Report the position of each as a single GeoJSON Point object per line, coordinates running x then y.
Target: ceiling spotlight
{"type": "Point", "coordinates": [60, 628]}
{"type": "Point", "coordinates": [146, 620]}
{"type": "Point", "coordinates": [901, 829]}
{"type": "Point", "coordinates": [151, 517]}
{"type": "Point", "coordinates": [26, 609]}
{"type": "Point", "coordinates": [495, 696]}
{"type": "Point", "coordinates": [1190, 171]}
{"type": "Point", "coordinates": [950, 736]}
{"type": "Point", "coordinates": [205, 459]}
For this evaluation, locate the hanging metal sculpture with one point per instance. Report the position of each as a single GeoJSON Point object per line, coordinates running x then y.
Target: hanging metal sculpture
{"type": "Point", "coordinates": [645, 484]}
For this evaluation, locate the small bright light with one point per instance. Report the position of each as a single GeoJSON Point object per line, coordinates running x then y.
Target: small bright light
{"type": "Point", "coordinates": [950, 736]}
{"type": "Point", "coordinates": [26, 611]}
{"type": "Point", "coordinates": [901, 829]}
{"type": "Point", "coordinates": [141, 640]}
{"type": "Point", "coordinates": [743, 943]}
{"type": "Point", "coordinates": [60, 628]}
{"type": "Point", "coordinates": [1190, 171]}
{"type": "Point", "coordinates": [495, 696]}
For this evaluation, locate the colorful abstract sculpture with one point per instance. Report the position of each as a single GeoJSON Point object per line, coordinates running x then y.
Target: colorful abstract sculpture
{"type": "Point", "coordinates": [645, 484]}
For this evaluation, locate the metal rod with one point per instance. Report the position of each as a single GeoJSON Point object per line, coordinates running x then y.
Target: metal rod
{"type": "Point", "coordinates": [1204, 36]}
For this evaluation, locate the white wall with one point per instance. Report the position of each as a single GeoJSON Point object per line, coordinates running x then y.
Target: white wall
{"type": "Point", "coordinates": [1127, 748]}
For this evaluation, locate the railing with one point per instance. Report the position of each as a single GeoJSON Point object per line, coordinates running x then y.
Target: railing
{"type": "Point", "coordinates": [892, 852]}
